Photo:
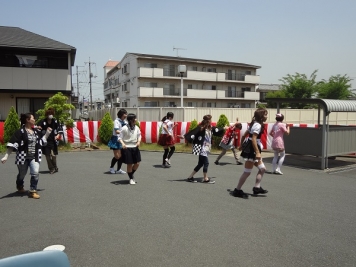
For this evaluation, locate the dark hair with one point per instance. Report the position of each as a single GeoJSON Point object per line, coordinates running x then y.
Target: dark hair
{"type": "Point", "coordinates": [49, 111]}
{"type": "Point", "coordinates": [169, 115]}
{"type": "Point", "coordinates": [121, 113]}
{"type": "Point", "coordinates": [131, 117]}
{"type": "Point", "coordinates": [24, 117]}
{"type": "Point", "coordinates": [258, 116]}
{"type": "Point", "coordinates": [280, 118]}
{"type": "Point", "coordinates": [206, 123]}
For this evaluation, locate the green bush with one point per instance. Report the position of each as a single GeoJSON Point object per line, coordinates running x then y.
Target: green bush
{"type": "Point", "coordinates": [106, 128]}
{"type": "Point", "coordinates": [222, 122]}
{"type": "Point", "coordinates": [12, 124]}
{"type": "Point", "coordinates": [193, 125]}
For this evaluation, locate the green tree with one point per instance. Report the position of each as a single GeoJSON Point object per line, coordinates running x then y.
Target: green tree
{"type": "Point", "coordinates": [193, 125]}
{"type": "Point", "coordinates": [62, 109]}
{"type": "Point", "coordinates": [222, 122]}
{"type": "Point", "coordinates": [276, 94]}
{"type": "Point", "coordinates": [337, 87]}
{"type": "Point", "coordinates": [106, 128]}
{"type": "Point", "coordinates": [299, 86]}
{"type": "Point", "coordinates": [12, 123]}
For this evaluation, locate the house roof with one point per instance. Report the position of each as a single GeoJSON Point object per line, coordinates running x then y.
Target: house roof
{"type": "Point", "coordinates": [111, 63]}
{"type": "Point", "coordinates": [268, 87]}
{"type": "Point", "coordinates": [14, 37]}
{"type": "Point", "coordinates": [194, 60]}
{"type": "Point", "coordinates": [329, 105]}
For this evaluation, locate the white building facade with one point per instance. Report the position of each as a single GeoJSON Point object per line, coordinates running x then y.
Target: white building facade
{"type": "Point", "coordinates": [143, 80]}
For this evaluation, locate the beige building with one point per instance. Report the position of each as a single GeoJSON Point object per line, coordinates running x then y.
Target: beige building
{"type": "Point", "coordinates": [142, 80]}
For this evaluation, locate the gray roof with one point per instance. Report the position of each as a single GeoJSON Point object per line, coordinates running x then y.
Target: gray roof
{"type": "Point", "coordinates": [194, 60]}
{"type": "Point", "coordinates": [329, 105]}
{"type": "Point", "coordinates": [19, 38]}
{"type": "Point", "coordinates": [268, 87]}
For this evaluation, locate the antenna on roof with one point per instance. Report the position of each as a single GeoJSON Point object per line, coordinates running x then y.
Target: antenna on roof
{"type": "Point", "coordinates": [177, 48]}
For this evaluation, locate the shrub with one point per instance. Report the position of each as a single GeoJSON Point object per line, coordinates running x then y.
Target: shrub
{"type": "Point", "coordinates": [106, 128]}
{"type": "Point", "coordinates": [62, 109]}
{"type": "Point", "coordinates": [222, 122]}
{"type": "Point", "coordinates": [193, 125]}
{"type": "Point", "coordinates": [12, 123]}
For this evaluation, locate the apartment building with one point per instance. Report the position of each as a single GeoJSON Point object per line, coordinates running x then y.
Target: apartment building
{"type": "Point", "coordinates": [143, 80]}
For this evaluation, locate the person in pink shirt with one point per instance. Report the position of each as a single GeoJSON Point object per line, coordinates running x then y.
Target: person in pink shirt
{"type": "Point", "coordinates": [277, 132]}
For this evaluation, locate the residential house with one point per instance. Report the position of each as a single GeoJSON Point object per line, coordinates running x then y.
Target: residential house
{"type": "Point", "coordinates": [32, 69]}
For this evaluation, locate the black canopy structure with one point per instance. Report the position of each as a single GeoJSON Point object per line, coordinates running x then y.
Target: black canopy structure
{"type": "Point", "coordinates": [323, 141]}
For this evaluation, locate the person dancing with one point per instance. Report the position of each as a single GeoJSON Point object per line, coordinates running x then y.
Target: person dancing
{"type": "Point", "coordinates": [114, 143]}
{"type": "Point", "coordinates": [277, 132]}
{"type": "Point", "coordinates": [166, 139]}
{"type": "Point", "coordinates": [229, 141]}
{"type": "Point", "coordinates": [130, 139]}
{"type": "Point", "coordinates": [251, 152]}
{"type": "Point", "coordinates": [201, 138]}
{"type": "Point", "coordinates": [28, 142]}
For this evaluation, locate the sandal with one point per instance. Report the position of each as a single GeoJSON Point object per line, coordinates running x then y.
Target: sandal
{"type": "Point", "coordinates": [191, 180]}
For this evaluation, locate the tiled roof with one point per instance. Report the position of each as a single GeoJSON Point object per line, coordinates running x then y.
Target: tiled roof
{"type": "Point", "coordinates": [19, 38]}
{"type": "Point", "coordinates": [111, 63]}
{"type": "Point", "coordinates": [185, 59]}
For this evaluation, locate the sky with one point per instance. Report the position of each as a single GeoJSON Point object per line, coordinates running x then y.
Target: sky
{"type": "Point", "coordinates": [281, 36]}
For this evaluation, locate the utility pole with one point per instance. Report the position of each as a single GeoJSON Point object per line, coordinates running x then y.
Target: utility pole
{"type": "Point", "coordinates": [90, 76]}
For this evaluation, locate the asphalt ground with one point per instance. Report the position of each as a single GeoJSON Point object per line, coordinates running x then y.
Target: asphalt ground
{"type": "Point", "coordinates": [307, 218]}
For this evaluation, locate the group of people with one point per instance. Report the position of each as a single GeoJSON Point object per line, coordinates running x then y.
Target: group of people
{"type": "Point", "coordinates": [30, 141]}
{"type": "Point", "coordinates": [251, 146]}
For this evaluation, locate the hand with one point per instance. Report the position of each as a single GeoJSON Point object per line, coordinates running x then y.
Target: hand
{"type": "Point", "coordinates": [258, 156]}
{"type": "Point", "coordinates": [239, 148]}
{"type": "Point", "coordinates": [138, 143]}
{"type": "Point", "coordinates": [3, 160]}
{"type": "Point", "coordinates": [123, 146]}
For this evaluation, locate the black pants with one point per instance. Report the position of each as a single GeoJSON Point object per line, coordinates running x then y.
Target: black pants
{"type": "Point", "coordinates": [203, 162]}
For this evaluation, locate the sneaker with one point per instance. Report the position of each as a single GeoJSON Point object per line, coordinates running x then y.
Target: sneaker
{"type": "Point", "coordinates": [33, 194]}
{"type": "Point", "coordinates": [191, 180]}
{"type": "Point", "coordinates": [278, 172]}
{"type": "Point", "coordinates": [112, 170]}
{"type": "Point", "coordinates": [216, 162]}
{"type": "Point", "coordinates": [167, 161]}
{"type": "Point", "coordinates": [120, 172]}
{"type": "Point", "coordinates": [132, 181]}
{"type": "Point", "coordinates": [239, 193]}
{"type": "Point", "coordinates": [21, 190]}
{"type": "Point", "coordinates": [259, 190]}
{"type": "Point", "coordinates": [209, 181]}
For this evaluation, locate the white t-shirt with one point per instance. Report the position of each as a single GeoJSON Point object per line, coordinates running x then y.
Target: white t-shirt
{"type": "Point", "coordinates": [130, 137]}
{"type": "Point", "coordinates": [117, 126]}
{"type": "Point", "coordinates": [256, 128]}
{"type": "Point", "coordinates": [169, 125]}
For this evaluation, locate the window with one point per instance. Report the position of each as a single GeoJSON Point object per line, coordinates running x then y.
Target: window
{"type": "Point", "coordinates": [169, 104]}
{"type": "Point", "coordinates": [150, 65]}
{"type": "Point", "coordinates": [211, 70]}
{"type": "Point", "coordinates": [192, 86]}
{"type": "Point", "coordinates": [208, 104]}
{"type": "Point", "coordinates": [25, 105]}
{"type": "Point", "coordinates": [231, 91]}
{"type": "Point", "coordinates": [169, 70]}
{"type": "Point", "coordinates": [246, 89]}
{"type": "Point", "coordinates": [148, 84]}
{"type": "Point", "coordinates": [124, 87]}
{"type": "Point", "coordinates": [151, 104]}
{"type": "Point", "coordinates": [192, 68]}
{"type": "Point", "coordinates": [213, 87]}
{"type": "Point", "coordinates": [125, 69]}
{"type": "Point", "coordinates": [169, 89]}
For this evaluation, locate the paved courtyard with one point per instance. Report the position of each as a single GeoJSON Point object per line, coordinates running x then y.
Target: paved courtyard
{"type": "Point", "coordinates": [306, 219]}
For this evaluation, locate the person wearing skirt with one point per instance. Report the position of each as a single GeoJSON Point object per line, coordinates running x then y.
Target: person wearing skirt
{"type": "Point", "coordinates": [130, 139]}
{"type": "Point", "coordinates": [166, 139]}
{"type": "Point", "coordinates": [251, 152]}
{"type": "Point", "coordinates": [277, 132]}
{"type": "Point", "coordinates": [229, 141]}
{"type": "Point", "coordinates": [114, 143]}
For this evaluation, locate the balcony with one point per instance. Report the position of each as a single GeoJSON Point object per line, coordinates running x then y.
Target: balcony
{"type": "Point", "coordinates": [242, 78]}
{"type": "Point", "coordinates": [205, 76]}
{"type": "Point", "coordinates": [150, 92]}
{"type": "Point", "coordinates": [150, 72]}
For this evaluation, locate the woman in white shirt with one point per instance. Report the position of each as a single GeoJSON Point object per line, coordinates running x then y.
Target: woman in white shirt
{"type": "Point", "coordinates": [166, 139]}
{"type": "Point", "coordinates": [130, 139]}
{"type": "Point", "coordinates": [251, 152]}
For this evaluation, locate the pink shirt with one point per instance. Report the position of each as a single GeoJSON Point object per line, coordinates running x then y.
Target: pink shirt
{"type": "Point", "coordinates": [278, 131]}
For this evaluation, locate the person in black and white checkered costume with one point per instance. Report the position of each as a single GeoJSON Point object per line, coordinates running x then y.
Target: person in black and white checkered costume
{"type": "Point", "coordinates": [201, 138]}
{"type": "Point", "coordinates": [27, 141]}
